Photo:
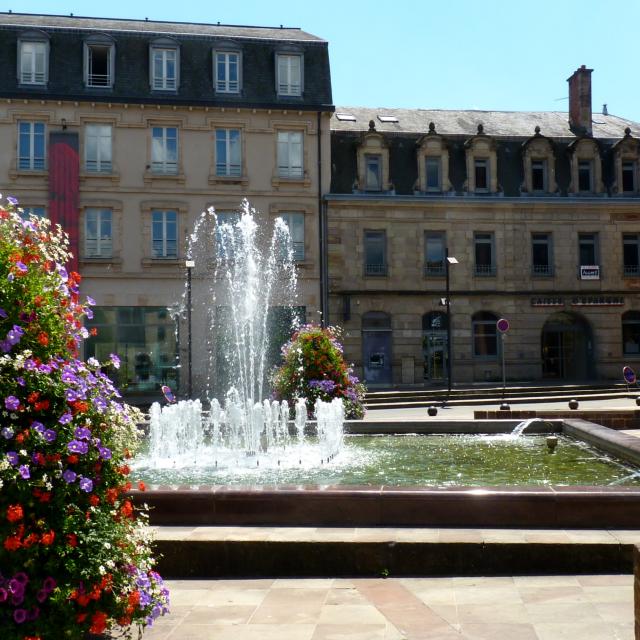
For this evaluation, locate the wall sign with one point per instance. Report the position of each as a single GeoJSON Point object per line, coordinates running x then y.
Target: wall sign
{"type": "Point", "coordinates": [597, 301]}
{"type": "Point", "coordinates": [589, 272]}
{"type": "Point", "coordinates": [547, 301]}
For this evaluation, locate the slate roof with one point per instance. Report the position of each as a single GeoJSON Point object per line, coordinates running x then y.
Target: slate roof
{"type": "Point", "coordinates": [155, 27]}
{"type": "Point", "coordinates": [508, 124]}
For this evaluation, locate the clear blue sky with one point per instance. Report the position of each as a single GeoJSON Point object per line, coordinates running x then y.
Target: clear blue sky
{"type": "Point", "coordinates": [452, 54]}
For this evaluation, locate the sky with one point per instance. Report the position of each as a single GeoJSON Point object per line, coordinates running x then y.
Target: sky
{"type": "Point", "coordinates": [507, 55]}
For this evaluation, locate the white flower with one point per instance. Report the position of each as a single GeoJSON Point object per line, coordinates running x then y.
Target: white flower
{"type": "Point", "coordinates": [102, 570]}
{"type": "Point", "coordinates": [107, 545]}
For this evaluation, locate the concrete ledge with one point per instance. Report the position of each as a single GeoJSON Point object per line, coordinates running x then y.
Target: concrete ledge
{"type": "Point", "coordinates": [621, 445]}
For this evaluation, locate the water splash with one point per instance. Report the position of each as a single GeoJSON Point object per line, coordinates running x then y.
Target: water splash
{"type": "Point", "coordinates": [519, 429]}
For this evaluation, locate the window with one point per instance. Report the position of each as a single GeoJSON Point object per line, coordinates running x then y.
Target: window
{"type": "Point", "coordinates": [631, 253]}
{"type": "Point", "coordinates": [289, 75]}
{"type": "Point", "coordinates": [433, 169]}
{"type": "Point", "coordinates": [164, 69]}
{"type": "Point", "coordinates": [97, 148]}
{"type": "Point", "coordinates": [31, 146]}
{"type": "Point", "coordinates": [164, 230]}
{"type": "Point", "coordinates": [485, 335]}
{"type": "Point", "coordinates": [434, 253]}
{"type": "Point", "coordinates": [144, 338]}
{"type": "Point", "coordinates": [588, 248]}
{"type": "Point", "coordinates": [98, 239]}
{"type": "Point", "coordinates": [539, 176]}
{"type": "Point", "coordinates": [585, 176]}
{"type": "Point", "coordinates": [375, 253]}
{"type": "Point", "coordinates": [481, 166]}
{"type": "Point", "coordinates": [628, 177]}
{"type": "Point", "coordinates": [631, 333]}
{"type": "Point", "coordinates": [33, 62]}
{"type": "Point", "coordinates": [164, 150]}
{"type": "Point", "coordinates": [290, 154]}
{"type": "Point", "coordinates": [38, 212]}
{"type": "Point", "coordinates": [295, 224]}
{"type": "Point", "coordinates": [373, 172]}
{"type": "Point", "coordinates": [99, 63]}
{"type": "Point", "coordinates": [226, 230]}
{"type": "Point", "coordinates": [484, 254]}
{"type": "Point", "coordinates": [541, 254]}
{"type": "Point", "coordinates": [228, 153]}
{"type": "Point", "coordinates": [227, 71]}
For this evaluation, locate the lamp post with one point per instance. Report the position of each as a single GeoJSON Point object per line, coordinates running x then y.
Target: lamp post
{"type": "Point", "coordinates": [190, 264]}
{"type": "Point", "coordinates": [449, 260]}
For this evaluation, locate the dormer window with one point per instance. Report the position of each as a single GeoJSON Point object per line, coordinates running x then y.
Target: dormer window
{"type": "Point", "coordinates": [482, 163]}
{"type": "Point", "coordinates": [164, 57]}
{"type": "Point", "coordinates": [373, 174]}
{"type": "Point", "coordinates": [99, 55]}
{"type": "Point", "coordinates": [586, 167]}
{"type": "Point", "coordinates": [481, 174]}
{"type": "Point", "coordinates": [227, 67]}
{"type": "Point", "coordinates": [629, 176]}
{"type": "Point", "coordinates": [585, 176]}
{"type": "Point", "coordinates": [33, 58]}
{"type": "Point", "coordinates": [538, 175]}
{"type": "Point", "coordinates": [289, 76]}
{"type": "Point", "coordinates": [433, 168]}
{"type": "Point", "coordinates": [433, 163]}
{"type": "Point", "coordinates": [626, 161]}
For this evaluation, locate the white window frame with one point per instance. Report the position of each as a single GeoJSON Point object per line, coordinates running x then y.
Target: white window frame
{"type": "Point", "coordinates": [373, 179]}
{"type": "Point", "coordinates": [161, 164]}
{"type": "Point", "coordinates": [30, 162]}
{"type": "Point", "coordinates": [228, 153]}
{"type": "Point", "coordinates": [288, 142]}
{"type": "Point", "coordinates": [289, 81]}
{"type": "Point", "coordinates": [162, 82]}
{"type": "Point", "coordinates": [295, 223]}
{"type": "Point", "coordinates": [91, 79]}
{"type": "Point", "coordinates": [98, 245]}
{"type": "Point", "coordinates": [161, 247]}
{"type": "Point", "coordinates": [33, 75]}
{"type": "Point", "coordinates": [103, 135]}
{"type": "Point", "coordinates": [226, 85]}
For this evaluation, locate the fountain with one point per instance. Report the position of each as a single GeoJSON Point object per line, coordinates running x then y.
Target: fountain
{"type": "Point", "coordinates": [252, 273]}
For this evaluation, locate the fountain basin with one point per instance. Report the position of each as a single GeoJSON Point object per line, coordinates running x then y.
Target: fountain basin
{"type": "Point", "coordinates": [380, 505]}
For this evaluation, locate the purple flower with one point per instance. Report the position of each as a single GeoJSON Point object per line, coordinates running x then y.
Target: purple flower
{"type": "Point", "coordinates": [12, 457]}
{"type": "Point", "coordinates": [45, 368]}
{"type": "Point", "coordinates": [14, 335]}
{"type": "Point", "coordinates": [11, 403]}
{"type": "Point", "coordinates": [91, 301]}
{"type": "Point", "coordinates": [49, 583]}
{"type": "Point", "coordinates": [70, 395]}
{"type": "Point", "coordinates": [77, 446]}
{"type": "Point", "coordinates": [89, 313]}
{"type": "Point", "coordinates": [29, 364]}
{"type": "Point", "coordinates": [13, 201]}
{"type": "Point", "coordinates": [3, 313]}
{"type": "Point", "coordinates": [7, 433]}
{"type": "Point", "coordinates": [49, 435]}
{"type": "Point", "coordinates": [38, 426]}
{"type": "Point", "coordinates": [100, 404]}
{"type": "Point", "coordinates": [5, 346]}
{"type": "Point", "coordinates": [62, 272]}
{"type": "Point", "coordinates": [105, 453]}
{"type": "Point", "coordinates": [20, 615]}
{"type": "Point", "coordinates": [86, 484]}
{"type": "Point", "coordinates": [24, 472]}
{"type": "Point", "coordinates": [21, 577]}
{"type": "Point", "coordinates": [115, 361]}
{"type": "Point", "coordinates": [21, 266]}
{"type": "Point", "coordinates": [20, 381]}
{"type": "Point", "coordinates": [4, 594]}
{"type": "Point", "coordinates": [42, 595]}
{"type": "Point", "coordinates": [69, 377]}
{"type": "Point", "coordinates": [65, 418]}
{"type": "Point", "coordinates": [82, 433]}
{"type": "Point", "coordinates": [69, 476]}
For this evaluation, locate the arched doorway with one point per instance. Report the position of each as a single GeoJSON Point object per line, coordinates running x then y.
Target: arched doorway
{"type": "Point", "coordinates": [376, 347]}
{"type": "Point", "coordinates": [567, 347]}
{"type": "Point", "coordinates": [434, 346]}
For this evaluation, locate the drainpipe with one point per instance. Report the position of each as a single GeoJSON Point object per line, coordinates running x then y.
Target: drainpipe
{"type": "Point", "coordinates": [322, 236]}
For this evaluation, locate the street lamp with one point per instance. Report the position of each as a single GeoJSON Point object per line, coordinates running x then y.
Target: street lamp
{"type": "Point", "coordinates": [449, 260]}
{"type": "Point", "coordinates": [189, 264]}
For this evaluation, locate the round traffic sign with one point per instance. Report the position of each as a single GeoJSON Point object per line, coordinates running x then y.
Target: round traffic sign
{"type": "Point", "coordinates": [629, 375]}
{"type": "Point", "coordinates": [502, 325]}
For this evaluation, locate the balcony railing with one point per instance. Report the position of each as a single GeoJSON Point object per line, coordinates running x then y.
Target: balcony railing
{"type": "Point", "coordinates": [542, 270]}
{"type": "Point", "coordinates": [375, 269]}
{"type": "Point", "coordinates": [434, 269]}
{"type": "Point", "coordinates": [632, 270]}
{"type": "Point", "coordinates": [485, 270]}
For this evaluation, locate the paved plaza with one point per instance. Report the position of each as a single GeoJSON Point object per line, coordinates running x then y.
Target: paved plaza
{"type": "Point", "coordinates": [503, 608]}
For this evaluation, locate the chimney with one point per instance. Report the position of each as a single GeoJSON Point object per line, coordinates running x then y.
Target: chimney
{"type": "Point", "coordinates": [580, 101]}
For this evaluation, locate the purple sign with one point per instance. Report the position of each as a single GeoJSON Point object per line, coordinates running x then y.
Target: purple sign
{"type": "Point", "coordinates": [502, 325]}
{"type": "Point", "coordinates": [629, 375]}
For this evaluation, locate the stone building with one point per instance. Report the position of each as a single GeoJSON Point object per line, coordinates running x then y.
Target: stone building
{"type": "Point", "coordinates": [125, 131]}
{"type": "Point", "coordinates": [541, 212]}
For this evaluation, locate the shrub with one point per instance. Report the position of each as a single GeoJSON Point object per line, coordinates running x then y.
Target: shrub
{"type": "Point", "coordinates": [314, 367]}
{"type": "Point", "coordinates": [75, 557]}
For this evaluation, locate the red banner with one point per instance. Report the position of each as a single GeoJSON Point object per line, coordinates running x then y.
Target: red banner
{"type": "Point", "coordinates": [64, 184]}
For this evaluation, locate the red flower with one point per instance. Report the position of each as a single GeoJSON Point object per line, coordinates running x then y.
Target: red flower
{"type": "Point", "coordinates": [72, 539]}
{"type": "Point", "coordinates": [47, 538]}
{"type": "Point", "coordinates": [94, 500]}
{"type": "Point", "coordinates": [72, 459]}
{"type": "Point", "coordinates": [142, 486]}
{"type": "Point", "coordinates": [43, 338]}
{"type": "Point", "coordinates": [43, 405]}
{"type": "Point", "coordinates": [98, 622]}
{"type": "Point", "coordinates": [15, 513]}
{"type": "Point", "coordinates": [12, 543]}
{"type": "Point", "coordinates": [126, 509]}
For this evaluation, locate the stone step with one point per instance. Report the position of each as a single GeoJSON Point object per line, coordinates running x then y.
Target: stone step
{"type": "Point", "coordinates": [216, 552]}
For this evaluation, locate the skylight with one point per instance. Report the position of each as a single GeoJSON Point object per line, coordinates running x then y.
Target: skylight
{"type": "Point", "coordinates": [346, 116]}
{"type": "Point", "coordinates": [388, 118]}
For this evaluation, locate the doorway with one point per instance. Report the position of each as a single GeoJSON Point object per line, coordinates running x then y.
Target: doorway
{"type": "Point", "coordinates": [434, 346]}
{"type": "Point", "coordinates": [567, 348]}
{"type": "Point", "coordinates": [376, 346]}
